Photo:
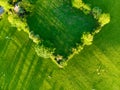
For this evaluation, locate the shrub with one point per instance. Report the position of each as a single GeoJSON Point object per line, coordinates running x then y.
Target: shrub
{"type": "Point", "coordinates": [77, 3]}
{"type": "Point", "coordinates": [104, 19]}
{"type": "Point", "coordinates": [35, 38]}
{"type": "Point", "coordinates": [82, 6]}
{"type": "Point", "coordinates": [16, 22]}
{"type": "Point", "coordinates": [86, 8]}
{"type": "Point", "coordinates": [97, 30]}
{"type": "Point", "coordinates": [96, 11]}
{"type": "Point", "coordinates": [43, 52]}
{"type": "Point", "coordinates": [26, 5]}
{"type": "Point", "coordinates": [87, 38]}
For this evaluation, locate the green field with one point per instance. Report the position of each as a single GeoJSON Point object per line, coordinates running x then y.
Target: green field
{"type": "Point", "coordinates": [97, 67]}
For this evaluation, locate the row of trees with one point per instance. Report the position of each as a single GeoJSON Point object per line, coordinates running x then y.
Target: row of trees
{"type": "Point", "coordinates": [17, 22]}
{"type": "Point", "coordinates": [35, 38]}
{"type": "Point", "coordinates": [87, 37]}
{"type": "Point", "coordinates": [20, 22]}
{"type": "Point", "coordinates": [5, 5]}
{"type": "Point", "coordinates": [43, 51]}
{"type": "Point", "coordinates": [82, 6]}
{"type": "Point", "coordinates": [22, 25]}
{"type": "Point", "coordinates": [103, 18]}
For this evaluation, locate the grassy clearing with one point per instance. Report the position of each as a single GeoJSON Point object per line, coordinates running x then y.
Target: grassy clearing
{"type": "Point", "coordinates": [96, 67]}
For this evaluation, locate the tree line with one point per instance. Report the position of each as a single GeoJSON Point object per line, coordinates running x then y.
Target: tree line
{"type": "Point", "coordinates": [87, 37]}
{"type": "Point", "coordinates": [21, 24]}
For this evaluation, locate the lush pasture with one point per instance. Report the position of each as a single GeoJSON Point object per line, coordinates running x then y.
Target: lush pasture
{"type": "Point", "coordinates": [97, 67]}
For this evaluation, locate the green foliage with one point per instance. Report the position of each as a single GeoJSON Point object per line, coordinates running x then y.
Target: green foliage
{"type": "Point", "coordinates": [77, 49]}
{"type": "Point", "coordinates": [35, 38]}
{"type": "Point", "coordinates": [43, 52]}
{"type": "Point", "coordinates": [96, 11]}
{"type": "Point", "coordinates": [86, 9]}
{"type": "Point", "coordinates": [21, 24]}
{"type": "Point", "coordinates": [97, 30]}
{"type": "Point", "coordinates": [63, 63]}
{"type": "Point", "coordinates": [77, 3]}
{"type": "Point", "coordinates": [17, 22]}
{"type": "Point", "coordinates": [63, 47]}
{"type": "Point", "coordinates": [26, 5]}
{"type": "Point", "coordinates": [87, 38]}
{"type": "Point", "coordinates": [97, 68]}
{"type": "Point", "coordinates": [82, 6]}
{"type": "Point", "coordinates": [5, 4]}
{"type": "Point", "coordinates": [104, 19]}
{"type": "Point", "coordinates": [13, 1]}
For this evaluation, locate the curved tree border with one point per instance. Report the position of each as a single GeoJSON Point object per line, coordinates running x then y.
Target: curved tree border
{"type": "Point", "coordinates": [45, 52]}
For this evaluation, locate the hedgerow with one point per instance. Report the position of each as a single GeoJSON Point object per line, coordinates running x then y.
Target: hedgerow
{"type": "Point", "coordinates": [20, 23]}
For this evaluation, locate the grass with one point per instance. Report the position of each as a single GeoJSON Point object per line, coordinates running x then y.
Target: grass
{"type": "Point", "coordinates": [60, 25]}
{"type": "Point", "coordinates": [96, 67]}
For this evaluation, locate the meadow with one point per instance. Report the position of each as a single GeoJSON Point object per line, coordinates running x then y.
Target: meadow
{"type": "Point", "coordinates": [97, 67]}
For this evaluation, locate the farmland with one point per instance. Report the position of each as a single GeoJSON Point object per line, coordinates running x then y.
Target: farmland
{"type": "Point", "coordinates": [97, 67]}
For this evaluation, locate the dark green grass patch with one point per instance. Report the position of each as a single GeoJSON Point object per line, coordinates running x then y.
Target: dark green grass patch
{"type": "Point", "coordinates": [59, 25]}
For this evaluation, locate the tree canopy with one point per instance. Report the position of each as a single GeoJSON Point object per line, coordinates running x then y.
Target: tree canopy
{"type": "Point", "coordinates": [87, 38]}
{"type": "Point", "coordinates": [104, 19]}
{"type": "Point", "coordinates": [77, 3]}
{"type": "Point", "coordinates": [43, 52]}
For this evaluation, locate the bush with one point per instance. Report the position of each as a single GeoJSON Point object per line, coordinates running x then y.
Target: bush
{"type": "Point", "coordinates": [82, 6]}
{"type": "Point", "coordinates": [77, 49]}
{"type": "Point", "coordinates": [86, 8]}
{"type": "Point", "coordinates": [13, 1]}
{"type": "Point", "coordinates": [77, 3]}
{"type": "Point", "coordinates": [35, 38]}
{"type": "Point", "coordinates": [22, 25]}
{"type": "Point", "coordinates": [17, 22]}
{"type": "Point", "coordinates": [43, 52]}
{"type": "Point", "coordinates": [97, 30]}
{"type": "Point", "coordinates": [104, 19]}
{"type": "Point", "coordinates": [26, 5]}
{"type": "Point", "coordinates": [96, 11]}
{"type": "Point", "coordinates": [87, 38]}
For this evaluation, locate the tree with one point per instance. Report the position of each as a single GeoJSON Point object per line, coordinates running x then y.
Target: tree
{"type": "Point", "coordinates": [35, 38]}
{"type": "Point", "coordinates": [43, 52]}
{"type": "Point", "coordinates": [82, 6]}
{"type": "Point", "coordinates": [104, 19]}
{"type": "Point", "coordinates": [26, 5]}
{"type": "Point", "coordinates": [96, 11]}
{"type": "Point", "coordinates": [87, 38]}
{"type": "Point", "coordinates": [17, 22]}
{"type": "Point", "coordinates": [77, 3]}
{"type": "Point", "coordinates": [13, 1]}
